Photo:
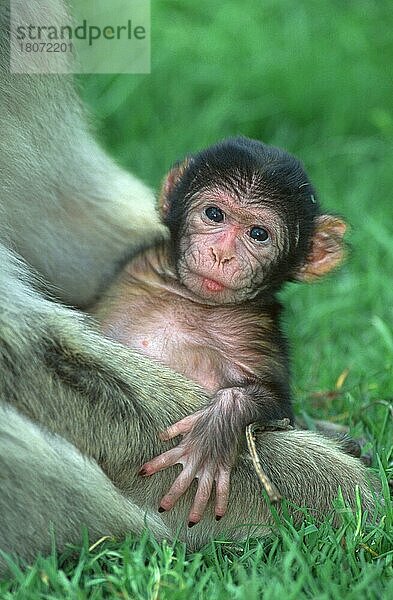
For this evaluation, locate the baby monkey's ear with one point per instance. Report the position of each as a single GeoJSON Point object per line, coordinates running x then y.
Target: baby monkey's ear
{"type": "Point", "coordinates": [327, 248]}
{"type": "Point", "coordinates": [168, 185]}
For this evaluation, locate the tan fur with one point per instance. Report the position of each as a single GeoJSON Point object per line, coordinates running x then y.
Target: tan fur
{"type": "Point", "coordinates": [216, 346]}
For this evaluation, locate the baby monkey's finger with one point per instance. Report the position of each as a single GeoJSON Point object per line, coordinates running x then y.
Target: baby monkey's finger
{"type": "Point", "coordinates": [222, 492]}
{"type": "Point", "coordinates": [202, 496]}
{"type": "Point", "coordinates": [180, 428]}
{"type": "Point", "coordinates": [167, 459]}
{"type": "Point", "coordinates": [179, 487]}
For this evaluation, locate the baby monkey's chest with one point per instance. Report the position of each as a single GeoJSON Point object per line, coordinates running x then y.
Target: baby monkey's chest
{"type": "Point", "coordinates": [202, 343]}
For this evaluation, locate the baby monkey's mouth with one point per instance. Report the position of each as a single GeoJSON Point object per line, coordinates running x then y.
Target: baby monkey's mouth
{"type": "Point", "coordinates": [211, 290]}
{"type": "Point", "coordinates": [211, 285]}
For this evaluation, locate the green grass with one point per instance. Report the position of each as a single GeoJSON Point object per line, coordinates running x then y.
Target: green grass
{"type": "Point", "coordinates": [315, 78]}
{"type": "Point", "coordinates": [352, 561]}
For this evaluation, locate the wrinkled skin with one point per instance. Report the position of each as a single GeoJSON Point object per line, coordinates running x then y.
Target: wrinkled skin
{"type": "Point", "coordinates": [225, 253]}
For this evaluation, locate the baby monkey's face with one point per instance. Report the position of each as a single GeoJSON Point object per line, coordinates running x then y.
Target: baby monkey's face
{"type": "Point", "coordinates": [229, 246]}
{"type": "Point", "coordinates": [243, 219]}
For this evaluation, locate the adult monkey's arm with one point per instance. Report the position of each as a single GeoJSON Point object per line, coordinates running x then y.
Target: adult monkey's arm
{"type": "Point", "coordinates": [70, 212]}
{"type": "Point", "coordinates": [65, 206]}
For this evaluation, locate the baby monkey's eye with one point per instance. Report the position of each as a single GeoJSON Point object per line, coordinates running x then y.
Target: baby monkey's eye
{"type": "Point", "coordinates": [214, 214]}
{"type": "Point", "coordinates": [259, 234]}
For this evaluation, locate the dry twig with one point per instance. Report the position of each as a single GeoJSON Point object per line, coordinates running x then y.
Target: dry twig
{"type": "Point", "coordinates": [282, 425]}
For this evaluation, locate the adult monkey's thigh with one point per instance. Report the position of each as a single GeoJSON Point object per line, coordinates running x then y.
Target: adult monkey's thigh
{"type": "Point", "coordinates": [69, 212]}
{"type": "Point", "coordinates": [44, 480]}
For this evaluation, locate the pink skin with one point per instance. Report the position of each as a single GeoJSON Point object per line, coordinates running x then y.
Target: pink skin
{"type": "Point", "coordinates": [213, 286]}
{"type": "Point", "coordinates": [225, 253]}
{"type": "Point", "coordinates": [194, 467]}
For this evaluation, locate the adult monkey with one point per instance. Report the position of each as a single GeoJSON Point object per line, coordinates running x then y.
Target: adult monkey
{"type": "Point", "coordinates": [76, 411]}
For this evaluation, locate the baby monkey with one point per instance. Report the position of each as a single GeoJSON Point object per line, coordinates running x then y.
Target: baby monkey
{"type": "Point", "coordinates": [243, 219]}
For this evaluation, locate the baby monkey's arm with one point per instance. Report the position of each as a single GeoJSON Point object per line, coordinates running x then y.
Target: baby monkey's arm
{"type": "Point", "coordinates": [212, 438]}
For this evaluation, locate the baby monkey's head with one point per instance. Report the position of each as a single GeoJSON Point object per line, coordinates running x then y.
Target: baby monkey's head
{"type": "Point", "coordinates": [243, 219]}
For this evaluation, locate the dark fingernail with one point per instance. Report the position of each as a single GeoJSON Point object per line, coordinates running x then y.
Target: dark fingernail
{"type": "Point", "coordinates": [191, 523]}
{"type": "Point", "coordinates": [142, 472]}
{"type": "Point", "coordinates": [218, 517]}
{"type": "Point", "coordinates": [160, 509]}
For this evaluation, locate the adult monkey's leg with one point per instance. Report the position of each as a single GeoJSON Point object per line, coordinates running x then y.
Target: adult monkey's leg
{"type": "Point", "coordinates": [45, 481]}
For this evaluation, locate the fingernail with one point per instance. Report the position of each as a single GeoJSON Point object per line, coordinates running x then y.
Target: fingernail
{"type": "Point", "coordinates": [160, 509]}
{"type": "Point", "coordinates": [142, 472]}
{"type": "Point", "coordinates": [191, 523]}
{"type": "Point", "coordinates": [218, 517]}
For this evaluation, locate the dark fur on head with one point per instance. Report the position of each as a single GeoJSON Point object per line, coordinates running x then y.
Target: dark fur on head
{"type": "Point", "coordinates": [258, 174]}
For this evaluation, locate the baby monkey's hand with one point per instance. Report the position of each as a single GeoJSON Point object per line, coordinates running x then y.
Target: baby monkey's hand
{"type": "Point", "coordinates": [198, 453]}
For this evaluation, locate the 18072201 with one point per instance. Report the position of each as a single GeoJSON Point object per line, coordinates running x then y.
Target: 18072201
{"type": "Point", "coordinates": [47, 47]}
